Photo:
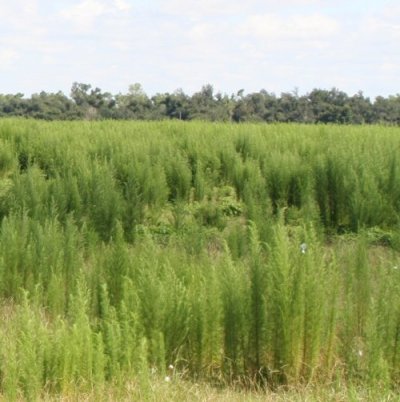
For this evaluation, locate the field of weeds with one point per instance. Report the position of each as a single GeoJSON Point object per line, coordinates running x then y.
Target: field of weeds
{"type": "Point", "coordinates": [143, 258]}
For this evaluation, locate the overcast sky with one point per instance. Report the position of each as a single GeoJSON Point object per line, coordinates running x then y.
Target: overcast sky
{"type": "Point", "coordinates": [276, 45]}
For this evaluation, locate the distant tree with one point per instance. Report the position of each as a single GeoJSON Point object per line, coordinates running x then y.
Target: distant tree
{"type": "Point", "coordinates": [387, 110]}
{"type": "Point", "coordinates": [205, 105]}
{"type": "Point", "coordinates": [240, 110]}
{"type": "Point", "coordinates": [318, 106]}
{"type": "Point", "coordinates": [13, 105]}
{"type": "Point", "coordinates": [177, 105]}
{"type": "Point", "coordinates": [330, 106]}
{"type": "Point", "coordinates": [93, 103]}
{"type": "Point", "coordinates": [135, 104]}
{"type": "Point", "coordinates": [159, 108]}
{"type": "Point", "coordinates": [361, 109]}
{"type": "Point", "coordinates": [258, 106]}
{"type": "Point", "coordinates": [202, 104]}
{"type": "Point", "coordinates": [288, 108]}
{"type": "Point", "coordinates": [52, 106]}
{"type": "Point", "coordinates": [223, 109]}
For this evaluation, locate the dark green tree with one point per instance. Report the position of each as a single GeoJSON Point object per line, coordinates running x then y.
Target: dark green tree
{"type": "Point", "coordinates": [134, 105]}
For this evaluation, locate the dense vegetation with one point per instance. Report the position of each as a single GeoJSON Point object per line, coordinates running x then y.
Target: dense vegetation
{"type": "Point", "coordinates": [318, 106]}
{"type": "Point", "coordinates": [230, 254]}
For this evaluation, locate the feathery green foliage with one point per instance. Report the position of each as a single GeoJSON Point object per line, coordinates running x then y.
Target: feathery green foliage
{"type": "Point", "coordinates": [254, 255]}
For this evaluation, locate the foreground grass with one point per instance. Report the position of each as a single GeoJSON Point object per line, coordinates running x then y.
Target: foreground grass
{"type": "Point", "coordinates": [181, 391]}
{"type": "Point", "coordinates": [247, 257]}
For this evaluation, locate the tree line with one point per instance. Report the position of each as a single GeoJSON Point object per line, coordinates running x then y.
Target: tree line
{"type": "Point", "coordinates": [318, 106]}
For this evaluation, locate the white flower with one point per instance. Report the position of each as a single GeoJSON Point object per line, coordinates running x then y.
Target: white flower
{"type": "Point", "coordinates": [303, 247]}
{"type": "Point", "coordinates": [360, 353]}
{"type": "Point", "coordinates": [167, 378]}
{"type": "Point", "coordinates": [171, 367]}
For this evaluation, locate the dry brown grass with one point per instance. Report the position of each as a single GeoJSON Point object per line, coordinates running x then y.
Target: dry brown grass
{"type": "Point", "coordinates": [182, 391]}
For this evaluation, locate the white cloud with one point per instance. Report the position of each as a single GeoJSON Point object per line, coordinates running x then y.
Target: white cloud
{"type": "Point", "coordinates": [391, 10]}
{"type": "Point", "coordinates": [390, 68]}
{"type": "Point", "coordinates": [210, 34]}
{"type": "Point", "coordinates": [251, 44]}
{"type": "Point", "coordinates": [273, 26]}
{"type": "Point", "coordinates": [8, 57]}
{"type": "Point", "coordinates": [24, 6]}
{"type": "Point", "coordinates": [122, 5]}
{"type": "Point", "coordinates": [383, 23]}
{"type": "Point", "coordinates": [198, 9]}
{"type": "Point", "coordinates": [201, 9]}
{"type": "Point", "coordinates": [18, 14]}
{"type": "Point", "coordinates": [84, 14]}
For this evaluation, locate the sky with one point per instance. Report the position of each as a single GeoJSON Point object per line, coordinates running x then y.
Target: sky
{"type": "Point", "coordinates": [276, 45]}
